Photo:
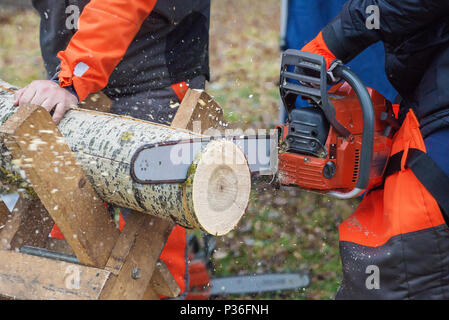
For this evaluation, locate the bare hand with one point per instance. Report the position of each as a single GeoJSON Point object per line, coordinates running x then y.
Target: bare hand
{"type": "Point", "coordinates": [49, 95]}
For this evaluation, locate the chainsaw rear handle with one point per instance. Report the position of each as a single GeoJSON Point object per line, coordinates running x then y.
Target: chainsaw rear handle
{"type": "Point", "coordinates": [311, 79]}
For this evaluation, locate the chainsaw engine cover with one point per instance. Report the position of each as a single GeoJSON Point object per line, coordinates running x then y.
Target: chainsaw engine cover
{"type": "Point", "coordinates": [339, 168]}
{"type": "Point", "coordinates": [308, 131]}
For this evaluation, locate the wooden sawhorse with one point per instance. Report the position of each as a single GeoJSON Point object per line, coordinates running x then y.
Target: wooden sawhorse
{"type": "Point", "coordinates": [96, 261]}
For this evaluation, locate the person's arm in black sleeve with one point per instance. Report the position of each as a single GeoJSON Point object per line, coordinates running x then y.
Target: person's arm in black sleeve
{"type": "Point", "coordinates": [347, 34]}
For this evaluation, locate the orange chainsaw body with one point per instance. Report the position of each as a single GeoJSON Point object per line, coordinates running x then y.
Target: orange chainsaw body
{"type": "Point", "coordinates": [342, 154]}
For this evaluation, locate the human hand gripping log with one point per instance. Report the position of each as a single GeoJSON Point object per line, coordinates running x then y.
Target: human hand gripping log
{"type": "Point", "coordinates": [212, 199]}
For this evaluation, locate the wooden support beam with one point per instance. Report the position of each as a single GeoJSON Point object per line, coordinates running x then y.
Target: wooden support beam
{"type": "Point", "coordinates": [28, 224]}
{"type": "Point", "coordinates": [150, 294]}
{"type": "Point", "coordinates": [59, 245]}
{"type": "Point", "coordinates": [136, 271]}
{"type": "Point", "coordinates": [199, 112]}
{"type": "Point", "coordinates": [51, 167]}
{"type": "Point", "coordinates": [4, 213]}
{"type": "Point", "coordinates": [29, 277]}
{"type": "Point", "coordinates": [162, 282]}
{"type": "Point", "coordinates": [124, 244]}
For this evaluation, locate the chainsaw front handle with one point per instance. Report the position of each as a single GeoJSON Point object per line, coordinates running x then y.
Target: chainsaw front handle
{"type": "Point", "coordinates": [366, 104]}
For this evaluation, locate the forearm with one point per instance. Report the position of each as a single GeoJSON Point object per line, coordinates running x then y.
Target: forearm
{"type": "Point", "coordinates": [106, 29]}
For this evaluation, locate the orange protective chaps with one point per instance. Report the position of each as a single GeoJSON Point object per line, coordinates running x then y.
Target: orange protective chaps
{"type": "Point", "coordinates": [396, 244]}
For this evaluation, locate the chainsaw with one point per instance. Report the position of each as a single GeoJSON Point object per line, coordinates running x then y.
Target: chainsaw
{"type": "Point", "coordinates": [338, 146]}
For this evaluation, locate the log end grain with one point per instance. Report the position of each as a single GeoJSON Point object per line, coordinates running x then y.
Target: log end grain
{"type": "Point", "coordinates": [218, 188]}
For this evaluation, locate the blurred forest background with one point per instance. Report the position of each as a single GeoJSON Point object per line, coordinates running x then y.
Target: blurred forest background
{"type": "Point", "coordinates": [282, 231]}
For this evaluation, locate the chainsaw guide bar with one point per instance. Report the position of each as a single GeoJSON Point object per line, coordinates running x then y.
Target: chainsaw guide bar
{"type": "Point", "coordinates": [169, 162]}
{"type": "Point", "coordinates": [258, 283]}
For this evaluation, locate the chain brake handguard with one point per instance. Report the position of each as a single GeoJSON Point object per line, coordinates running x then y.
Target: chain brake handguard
{"type": "Point", "coordinates": [310, 78]}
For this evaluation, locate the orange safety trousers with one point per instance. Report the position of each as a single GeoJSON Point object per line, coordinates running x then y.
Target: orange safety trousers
{"type": "Point", "coordinates": [396, 244]}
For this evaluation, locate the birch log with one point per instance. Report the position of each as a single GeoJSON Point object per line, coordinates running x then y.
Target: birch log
{"type": "Point", "coordinates": [213, 198]}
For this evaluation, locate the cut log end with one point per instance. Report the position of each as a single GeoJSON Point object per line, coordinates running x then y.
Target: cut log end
{"type": "Point", "coordinates": [220, 187]}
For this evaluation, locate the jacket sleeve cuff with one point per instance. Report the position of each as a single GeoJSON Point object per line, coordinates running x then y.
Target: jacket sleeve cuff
{"type": "Point", "coordinates": [69, 88]}
{"type": "Point", "coordinates": [337, 43]}
{"type": "Point", "coordinates": [67, 80]}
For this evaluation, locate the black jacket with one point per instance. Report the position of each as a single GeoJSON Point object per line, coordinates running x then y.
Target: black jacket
{"type": "Point", "coordinates": [416, 38]}
{"type": "Point", "coordinates": [172, 45]}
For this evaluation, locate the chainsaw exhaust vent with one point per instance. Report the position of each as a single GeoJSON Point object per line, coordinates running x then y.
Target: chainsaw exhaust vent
{"type": "Point", "coordinates": [355, 174]}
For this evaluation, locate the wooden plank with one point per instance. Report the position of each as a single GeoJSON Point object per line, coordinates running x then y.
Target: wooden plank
{"type": "Point", "coordinates": [10, 228]}
{"type": "Point", "coordinates": [162, 282]}
{"type": "Point", "coordinates": [150, 294]}
{"type": "Point", "coordinates": [136, 272]}
{"type": "Point", "coordinates": [29, 277]}
{"type": "Point", "coordinates": [196, 106]}
{"type": "Point", "coordinates": [51, 167]}
{"type": "Point", "coordinates": [4, 213]}
{"type": "Point", "coordinates": [28, 224]}
{"type": "Point", "coordinates": [59, 245]}
{"type": "Point", "coordinates": [199, 112]}
{"type": "Point", "coordinates": [124, 244]}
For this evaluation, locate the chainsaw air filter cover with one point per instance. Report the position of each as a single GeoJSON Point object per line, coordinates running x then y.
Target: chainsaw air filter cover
{"type": "Point", "coordinates": [308, 130]}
